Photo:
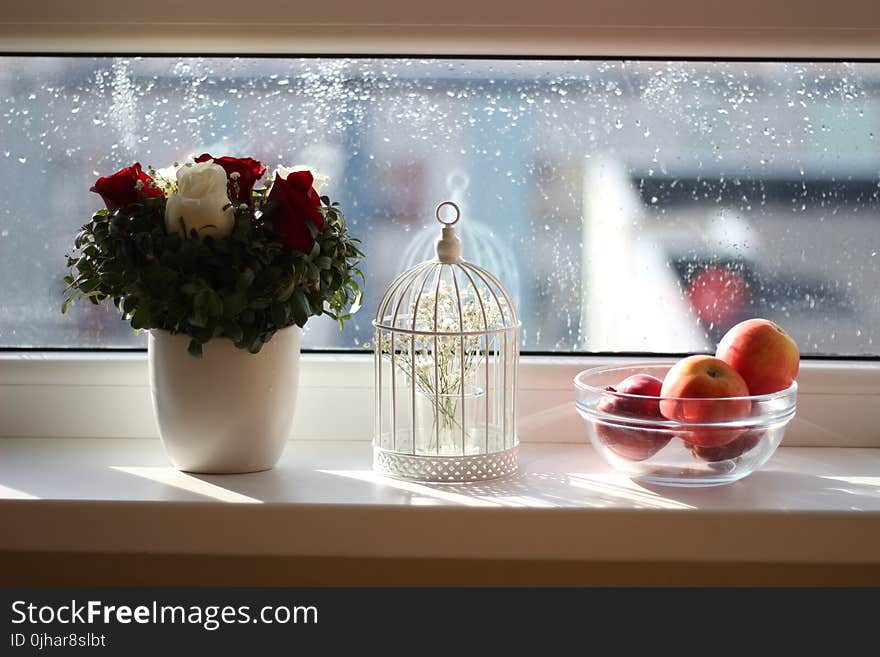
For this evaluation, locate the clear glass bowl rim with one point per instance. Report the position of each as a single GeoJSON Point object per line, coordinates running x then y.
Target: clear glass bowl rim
{"type": "Point", "coordinates": [605, 369]}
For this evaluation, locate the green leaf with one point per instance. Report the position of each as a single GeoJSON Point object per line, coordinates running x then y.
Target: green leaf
{"type": "Point", "coordinates": [199, 315]}
{"type": "Point", "coordinates": [233, 303]}
{"type": "Point", "coordinates": [232, 330]}
{"type": "Point", "coordinates": [245, 279]}
{"type": "Point", "coordinates": [195, 348]}
{"type": "Point", "coordinates": [279, 316]}
{"type": "Point", "coordinates": [175, 314]}
{"type": "Point", "coordinates": [286, 288]}
{"type": "Point", "coordinates": [249, 334]}
{"type": "Point", "coordinates": [215, 304]}
{"type": "Point", "coordinates": [141, 318]}
{"type": "Point", "coordinates": [300, 308]}
{"type": "Point", "coordinates": [312, 228]}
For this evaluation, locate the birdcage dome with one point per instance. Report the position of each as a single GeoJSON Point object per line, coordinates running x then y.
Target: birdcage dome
{"type": "Point", "coordinates": [448, 299]}
{"type": "Point", "coordinates": [447, 348]}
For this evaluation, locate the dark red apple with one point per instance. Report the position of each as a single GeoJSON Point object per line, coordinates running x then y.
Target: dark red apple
{"type": "Point", "coordinates": [635, 442]}
{"type": "Point", "coordinates": [745, 442]}
{"type": "Point", "coordinates": [645, 404]}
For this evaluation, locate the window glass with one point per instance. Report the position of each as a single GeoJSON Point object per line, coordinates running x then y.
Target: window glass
{"type": "Point", "coordinates": [628, 205]}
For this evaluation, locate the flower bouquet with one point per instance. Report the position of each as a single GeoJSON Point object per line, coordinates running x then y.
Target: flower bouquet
{"type": "Point", "coordinates": [213, 264]}
{"type": "Point", "coordinates": [197, 249]}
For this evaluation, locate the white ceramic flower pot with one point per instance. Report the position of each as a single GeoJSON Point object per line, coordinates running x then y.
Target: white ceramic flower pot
{"type": "Point", "coordinates": [229, 411]}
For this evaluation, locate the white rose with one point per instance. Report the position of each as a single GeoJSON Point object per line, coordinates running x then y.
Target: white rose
{"type": "Point", "coordinates": [319, 178]}
{"type": "Point", "coordinates": [201, 200]}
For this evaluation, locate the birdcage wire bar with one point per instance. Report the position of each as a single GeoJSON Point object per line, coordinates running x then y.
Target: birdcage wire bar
{"type": "Point", "coordinates": [447, 349]}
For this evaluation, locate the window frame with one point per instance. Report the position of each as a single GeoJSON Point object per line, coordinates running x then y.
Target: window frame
{"type": "Point", "coordinates": [636, 28]}
{"type": "Point", "coordinates": [838, 400]}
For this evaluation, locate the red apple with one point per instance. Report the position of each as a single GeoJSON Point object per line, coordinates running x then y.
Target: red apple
{"type": "Point", "coordinates": [693, 392]}
{"type": "Point", "coordinates": [645, 404]}
{"type": "Point", "coordinates": [633, 442]}
{"type": "Point", "coordinates": [737, 447]}
{"type": "Point", "coordinates": [766, 357]}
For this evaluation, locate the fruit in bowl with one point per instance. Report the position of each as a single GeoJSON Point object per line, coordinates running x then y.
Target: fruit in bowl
{"type": "Point", "coordinates": [766, 356]}
{"type": "Point", "coordinates": [714, 420]}
{"type": "Point", "coordinates": [703, 390]}
{"type": "Point", "coordinates": [636, 397]}
{"type": "Point", "coordinates": [737, 447]}
{"type": "Point", "coordinates": [643, 396]}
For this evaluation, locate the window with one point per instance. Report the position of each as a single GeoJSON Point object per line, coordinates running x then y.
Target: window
{"type": "Point", "coordinates": [605, 193]}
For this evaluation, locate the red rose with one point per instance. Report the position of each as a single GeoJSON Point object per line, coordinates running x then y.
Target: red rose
{"type": "Point", "coordinates": [126, 186]}
{"type": "Point", "coordinates": [297, 202]}
{"type": "Point", "coordinates": [249, 172]}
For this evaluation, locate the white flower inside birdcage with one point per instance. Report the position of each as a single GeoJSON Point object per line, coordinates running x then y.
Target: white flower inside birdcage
{"type": "Point", "coordinates": [447, 348]}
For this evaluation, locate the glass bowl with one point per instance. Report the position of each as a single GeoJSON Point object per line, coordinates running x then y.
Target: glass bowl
{"type": "Point", "coordinates": [713, 441]}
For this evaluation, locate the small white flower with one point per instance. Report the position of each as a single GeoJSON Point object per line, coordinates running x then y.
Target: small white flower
{"type": "Point", "coordinates": [166, 178]}
{"type": "Point", "coordinates": [235, 175]}
{"type": "Point", "coordinates": [139, 185]}
{"type": "Point", "coordinates": [243, 206]}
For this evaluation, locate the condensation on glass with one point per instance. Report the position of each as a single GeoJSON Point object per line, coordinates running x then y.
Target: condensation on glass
{"type": "Point", "coordinates": [630, 205]}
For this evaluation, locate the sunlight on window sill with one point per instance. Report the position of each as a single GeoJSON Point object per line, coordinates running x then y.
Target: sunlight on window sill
{"type": "Point", "coordinates": [535, 490]}
{"type": "Point", "coordinates": [190, 483]}
{"type": "Point", "coordinates": [8, 493]}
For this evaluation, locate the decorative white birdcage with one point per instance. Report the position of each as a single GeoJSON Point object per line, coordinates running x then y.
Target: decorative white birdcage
{"type": "Point", "coordinates": [447, 349]}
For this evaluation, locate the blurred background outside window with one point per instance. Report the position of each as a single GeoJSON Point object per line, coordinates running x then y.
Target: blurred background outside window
{"type": "Point", "coordinates": [630, 206]}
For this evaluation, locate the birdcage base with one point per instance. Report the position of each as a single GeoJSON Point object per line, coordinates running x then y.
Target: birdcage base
{"type": "Point", "coordinates": [445, 469]}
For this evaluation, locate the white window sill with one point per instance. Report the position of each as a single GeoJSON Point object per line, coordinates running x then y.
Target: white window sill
{"type": "Point", "coordinates": [73, 480]}
{"type": "Point", "coordinates": [807, 505]}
